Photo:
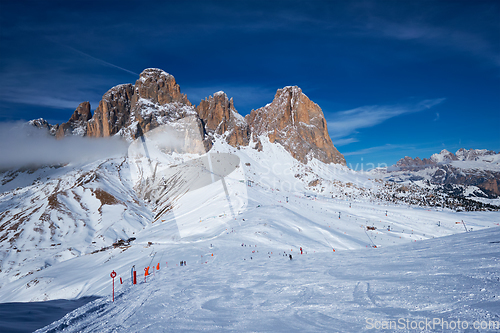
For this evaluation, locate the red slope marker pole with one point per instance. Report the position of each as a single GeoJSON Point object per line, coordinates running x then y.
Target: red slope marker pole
{"type": "Point", "coordinates": [113, 275]}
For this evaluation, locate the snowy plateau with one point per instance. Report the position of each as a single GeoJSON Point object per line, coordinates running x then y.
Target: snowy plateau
{"type": "Point", "coordinates": [267, 244]}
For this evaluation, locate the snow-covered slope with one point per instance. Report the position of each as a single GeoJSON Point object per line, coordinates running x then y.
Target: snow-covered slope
{"type": "Point", "coordinates": [84, 216]}
{"type": "Point", "coordinates": [65, 212]}
{"type": "Point", "coordinates": [439, 281]}
{"type": "Point", "coordinates": [233, 215]}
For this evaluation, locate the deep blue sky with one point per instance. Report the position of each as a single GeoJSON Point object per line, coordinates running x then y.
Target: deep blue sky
{"type": "Point", "coordinates": [394, 78]}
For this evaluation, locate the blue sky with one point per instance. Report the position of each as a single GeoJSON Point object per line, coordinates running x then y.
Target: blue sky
{"type": "Point", "coordinates": [394, 78]}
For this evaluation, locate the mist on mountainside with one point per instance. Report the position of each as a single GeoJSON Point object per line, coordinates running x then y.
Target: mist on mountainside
{"type": "Point", "coordinates": [22, 145]}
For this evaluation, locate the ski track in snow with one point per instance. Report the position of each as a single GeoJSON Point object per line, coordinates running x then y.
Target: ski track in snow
{"type": "Point", "coordinates": [454, 277]}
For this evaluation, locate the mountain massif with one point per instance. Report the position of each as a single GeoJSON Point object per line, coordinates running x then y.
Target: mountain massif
{"type": "Point", "coordinates": [291, 119]}
{"type": "Point", "coordinates": [272, 179]}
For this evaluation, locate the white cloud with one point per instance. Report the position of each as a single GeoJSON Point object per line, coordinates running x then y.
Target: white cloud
{"type": "Point", "coordinates": [24, 145]}
{"type": "Point", "coordinates": [345, 123]}
{"type": "Point", "coordinates": [376, 149]}
{"type": "Point", "coordinates": [36, 98]}
{"type": "Point", "coordinates": [345, 141]}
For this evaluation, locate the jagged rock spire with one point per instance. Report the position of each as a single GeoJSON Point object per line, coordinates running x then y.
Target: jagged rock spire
{"type": "Point", "coordinates": [298, 124]}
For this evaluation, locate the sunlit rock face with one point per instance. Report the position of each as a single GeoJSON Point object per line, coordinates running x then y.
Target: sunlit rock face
{"type": "Point", "coordinates": [298, 124]}
{"type": "Point", "coordinates": [221, 118]}
{"type": "Point", "coordinates": [77, 124]}
{"type": "Point", "coordinates": [131, 110]}
{"type": "Point", "coordinates": [113, 112]}
{"type": "Point", "coordinates": [291, 120]}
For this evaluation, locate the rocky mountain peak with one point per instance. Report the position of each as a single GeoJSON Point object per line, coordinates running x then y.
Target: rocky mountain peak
{"type": "Point", "coordinates": [219, 117]}
{"type": "Point", "coordinates": [291, 119]}
{"type": "Point", "coordinates": [113, 112]}
{"type": "Point", "coordinates": [77, 123]}
{"type": "Point", "coordinates": [472, 154]}
{"type": "Point", "coordinates": [82, 113]}
{"type": "Point", "coordinates": [443, 156]}
{"type": "Point", "coordinates": [159, 87]}
{"type": "Point", "coordinates": [449, 169]}
{"type": "Point", "coordinates": [43, 124]}
{"type": "Point", "coordinates": [298, 124]}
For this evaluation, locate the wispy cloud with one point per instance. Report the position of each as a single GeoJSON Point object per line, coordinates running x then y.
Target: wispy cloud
{"type": "Point", "coordinates": [377, 149]}
{"type": "Point", "coordinates": [344, 123]}
{"type": "Point", "coordinates": [35, 97]}
{"type": "Point", "coordinates": [345, 141]}
{"type": "Point", "coordinates": [101, 61]}
{"type": "Point", "coordinates": [429, 31]}
{"type": "Point", "coordinates": [22, 145]}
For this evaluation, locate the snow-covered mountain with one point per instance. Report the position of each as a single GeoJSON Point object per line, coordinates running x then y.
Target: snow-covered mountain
{"type": "Point", "coordinates": [473, 174]}
{"type": "Point", "coordinates": [233, 215]}
{"type": "Point", "coordinates": [233, 197]}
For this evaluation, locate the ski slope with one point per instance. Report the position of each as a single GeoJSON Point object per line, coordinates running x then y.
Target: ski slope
{"type": "Point", "coordinates": [448, 279]}
{"type": "Point", "coordinates": [236, 216]}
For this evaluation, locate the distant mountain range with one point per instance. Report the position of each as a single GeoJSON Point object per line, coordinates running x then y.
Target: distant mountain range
{"type": "Point", "coordinates": [473, 173]}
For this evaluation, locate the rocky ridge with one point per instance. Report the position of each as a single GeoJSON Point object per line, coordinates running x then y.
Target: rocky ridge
{"type": "Point", "coordinates": [77, 124]}
{"type": "Point", "coordinates": [292, 119]}
{"type": "Point", "coordinates": [219, 117]}
{"type": "Point", "coordinates": [473, 172]}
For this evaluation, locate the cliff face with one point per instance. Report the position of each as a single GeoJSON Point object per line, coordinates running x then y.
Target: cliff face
{"type": "Point", "coordinates": [158, 100]}
{"type": "Point", "coordinates": [113, 112]}
{"type": "Point", "coordinates": [77, 124]}
{"type": "Point", "coordinates": [158, 87]}
{"type": "Point", "coordinates": [219, 117]}
{"type": "Point", "coordinates": [130, 110]}
{"type": "Point", "coordinates": [291, 120]}
{"type": "Point", "coordinates": [298, 124]}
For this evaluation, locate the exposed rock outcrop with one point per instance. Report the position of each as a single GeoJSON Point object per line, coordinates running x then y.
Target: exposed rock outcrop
{"type": "Point", "coordinates": [157, 100]}
{"type": "Point", "coordinates": [113, 112]}
{"type": "Point", "coordinates": [42, 124]}
{"type": "Point", "coordinates": [444, 157]}
{"type": "Point", "coordinates": [130, 110]}
{"type": "Point", "coordinates": [219, 117]}
{"type": "Point", "coordinates": [77, 124]}
{"type": "Point", "coordinates": [159, 87]}
{"type": "Point", "coordinates": [298, 124]}
{"type": "Point", "coordinates": [472, 154]}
